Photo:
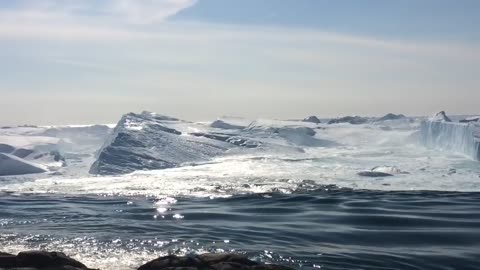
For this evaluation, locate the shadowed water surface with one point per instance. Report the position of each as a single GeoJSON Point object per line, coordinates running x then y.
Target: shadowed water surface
{"type": "Point", "coordinates": [329, 228]}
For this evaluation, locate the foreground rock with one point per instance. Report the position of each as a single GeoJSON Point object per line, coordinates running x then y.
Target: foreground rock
{"type": "Point", "coordinates": [221, 261]}
{"type": "Point", "coordinates": [40, 260]}
{"type": "Point", "coordinates": [43, 260]}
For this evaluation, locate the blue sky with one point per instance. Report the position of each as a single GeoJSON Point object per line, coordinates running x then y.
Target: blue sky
{"type": "Point", "coordinates": [70, 61]}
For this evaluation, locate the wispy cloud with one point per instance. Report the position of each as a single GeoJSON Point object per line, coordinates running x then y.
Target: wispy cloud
{"type": "Point", "coordinates": [148, 11]}
{"type": "Point", "coordinates": [121, 11]}
{"type": "Point", "coordinates": [117, 20]}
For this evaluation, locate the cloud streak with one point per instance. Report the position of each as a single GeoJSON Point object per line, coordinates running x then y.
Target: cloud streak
{"type": "Point", "coordinates": [148, 11]}
{"type": "Point", "coordinates": [120, 11]}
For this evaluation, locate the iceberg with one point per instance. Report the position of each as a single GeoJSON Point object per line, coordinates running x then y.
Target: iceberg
{"type": "Point", "coordinates": [391, 116]}
{"type": "Point", "coordinates": [439, 132]}
{"type": "Point", "coordinates": [224, 125]}
{"type": "Point", "coordinates": [312, 119]}
{"type": "Point", "coordinates": [148, 141]}
{"type": "Point", "coordinates": [471, 119]}
{"type": "Point", "coordinates": [440, 117]}
{"type": "Point", "coordinates": [354, 120]}
{"type": "Point", "coordinates": [53, 148]}
{"type": "Point", "coordinates": [12, 165]}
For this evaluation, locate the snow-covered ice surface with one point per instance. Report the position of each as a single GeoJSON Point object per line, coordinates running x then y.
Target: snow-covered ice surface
{"type": "Point", "coordinates": [265, 156]}
{"type": "Point", "coordinates": [65, 150]}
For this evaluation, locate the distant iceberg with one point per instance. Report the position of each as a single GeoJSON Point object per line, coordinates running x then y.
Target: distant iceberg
{"type": "Point", "coordinates": [224, 125]}
{"type": "Point", "coordinates": [440, 116]}
{"type": "Point", "coordinates": [471, 119]}
{"type": "Point", "coordinates": [312, 119]}
{"type": "Point", "coordinates": [354, 120]}
{"type": "Point", "coordinates": [391, 116]}
{"type": "Point", "coordinates": [440, 132]}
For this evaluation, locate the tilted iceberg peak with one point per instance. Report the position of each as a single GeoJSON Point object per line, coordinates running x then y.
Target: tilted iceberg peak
{"type": "Point", "coordinates": [441, 117]}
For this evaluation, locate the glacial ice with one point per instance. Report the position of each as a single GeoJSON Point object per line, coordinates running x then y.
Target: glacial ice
{"type": "Point", "coordinates": [144, 142]}
{"type": "Point", "coordinates": [269, 156]}
{"type": "Point", "coordinates": [391, 116]}
{"type": "Point", "coordinates": [312, 119]}
{"type": "Point", "coordinates": [471, 119]}
{"type": "Point", "coordinates": [49, 147]}
{"type": "Point", "coordinates": [354, 120]}
{"type": "Point", "coordinates": [224, 125]}
{"type": "Point", "coordinates": [439, 132]}
{"type": "Point", "coordinates": [147, 142]}
{"type": "Point", "coordinates": [441, 117]}
{"type": "Point", "coordinates": [388, 169]}
{"type": "Point", "coordinates": [12, 165]}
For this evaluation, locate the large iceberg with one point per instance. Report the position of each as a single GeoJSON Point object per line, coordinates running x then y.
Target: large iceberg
{"type": "Point", "coordinates": [439, 132]}
{"type": "Point", "coordinates": [148, 141]}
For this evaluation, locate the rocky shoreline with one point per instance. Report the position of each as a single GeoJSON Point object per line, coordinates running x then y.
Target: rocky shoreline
{"type": "Point", "coordinates": [43, 260]}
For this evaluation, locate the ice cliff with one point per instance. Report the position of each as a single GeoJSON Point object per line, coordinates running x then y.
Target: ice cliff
{"type": "Point", "coordinates": [439, 132]}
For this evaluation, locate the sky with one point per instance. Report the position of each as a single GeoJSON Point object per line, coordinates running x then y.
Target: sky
{"type": "Point", "coordinates": [90, 61]}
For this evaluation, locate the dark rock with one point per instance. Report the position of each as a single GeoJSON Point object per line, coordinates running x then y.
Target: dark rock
{"type": "Point", "coordinates": [220, 261]}
{"type": "Point", "coordinates": [230, 266]}
{"type": "Point", "coordinates": [374, 174]}
{"type": "Point", "coordinates": [7, 260]}
{"type": "Point", "coordinates": [270, 267]}
{"type": "Point", "coordinates": [312, 119]}
{"type": "Point", "coordinates": [41, 260]}
{"type": "Point", "coordinates": [214, 258]}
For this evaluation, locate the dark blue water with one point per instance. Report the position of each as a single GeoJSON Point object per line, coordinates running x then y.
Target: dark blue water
{"type": "Point", "coordinates": [329, 228]}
